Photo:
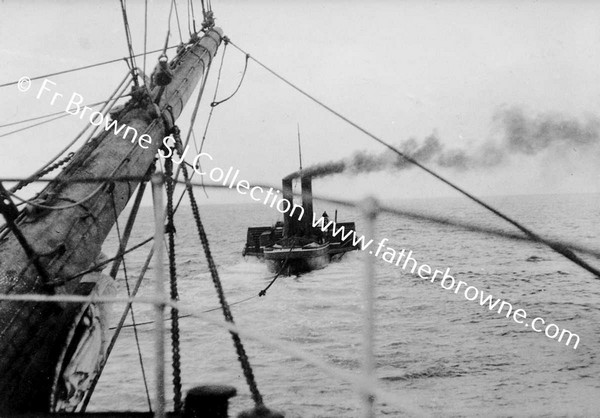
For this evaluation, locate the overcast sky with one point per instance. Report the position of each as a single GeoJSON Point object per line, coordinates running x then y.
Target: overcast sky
{"type": "Point", "coordinates": [401, 69]}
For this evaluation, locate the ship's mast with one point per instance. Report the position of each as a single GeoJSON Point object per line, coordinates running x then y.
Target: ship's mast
{"type": "Point", "coordinates": [68, 241]}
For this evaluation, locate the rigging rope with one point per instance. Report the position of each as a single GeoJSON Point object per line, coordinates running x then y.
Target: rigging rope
{"type": "Point", "coordinates": [85, 67]}
{"type": "Point", "coordinates": [113, 273]}
{"type": "Point", "coordinates": [107, 261]}
{"type": "Point", "coordinates": [192, 167]}
{"type": "Point", "coordinates": [213, 104]}
{"type": "Point", "coordinates": [129, 227]}
{"type": "Point", "coordinates": [175, 346]}
{"type": "Point", "coordinates": [47, 170]}
{"type": "Point", "coordinates": [72, 205]}
{"type": "Point", "coordinates": [242, 356]}
{"type": "Point", "coordinates": [173, 5]}
{"type": "Point", "coordinates": [145, 33]}
{"type": "Point", "coordinates": [107, 107]}
{"type": "Point", "coordinates": [163, 56]}
{"type": "Point", "coordinates": [178, 24]}
{"type": "Point", "coordinates": [137, 340]}
{"type": "Point", "coordinates": [189, 27]}
{"type": "Point", "coordinates": [210, 113]}
{"type": "Point", "coordinates": [168, 27]}
{"type": "Point", "coordinates": [559, 249]}
{"type": "Point", "coordinates": [209, 18]}
{"type": "Point", "coordinates": [129, 46]}
{"type": "Point", "coordinates": [264, 291]}
{"type": "Point", "coordinates": [62, 115]}
{"type": "Point", "coordinates": [218, 308]}
{"type": "Point", "coordinates": [115, 336]}
{"type": "Point", "coordinates": [191, 5]}
{"type": "Point", "coordinates": [54, 114]}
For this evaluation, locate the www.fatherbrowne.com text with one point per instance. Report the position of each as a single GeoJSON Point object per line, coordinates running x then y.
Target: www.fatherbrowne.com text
{"type": "Point", "coordinates": [448, 282]}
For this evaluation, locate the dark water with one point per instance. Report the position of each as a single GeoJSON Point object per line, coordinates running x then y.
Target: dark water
{"type": "Point", "coordinates": [449, 356]}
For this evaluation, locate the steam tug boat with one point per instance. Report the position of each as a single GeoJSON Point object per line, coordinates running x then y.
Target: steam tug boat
{"type": "Point", "coordinates": [295, 246]}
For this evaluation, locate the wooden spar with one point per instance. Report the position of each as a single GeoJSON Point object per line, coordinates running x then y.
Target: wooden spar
{"type": "Point", "coordinates": [68, 241]}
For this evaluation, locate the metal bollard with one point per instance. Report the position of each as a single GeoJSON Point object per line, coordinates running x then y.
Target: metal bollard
{"type": "Point", "coordinates": [208, 401]}
{"type": "Point", "coordinates": [260, 412]}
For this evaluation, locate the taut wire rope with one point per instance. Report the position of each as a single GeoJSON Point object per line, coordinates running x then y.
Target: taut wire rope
{"type": "Point", "coordinates": [565, 252]}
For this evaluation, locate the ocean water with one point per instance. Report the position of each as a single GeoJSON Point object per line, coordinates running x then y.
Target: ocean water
{"type": "Point", "coordinates": [434, 349]}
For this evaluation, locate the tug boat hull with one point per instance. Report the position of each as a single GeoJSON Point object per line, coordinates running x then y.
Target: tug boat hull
{"type": "Point", "coordinates": [293, 261]}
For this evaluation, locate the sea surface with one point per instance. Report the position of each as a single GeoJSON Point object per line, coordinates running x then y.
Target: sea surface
{"type": "Point", "coordinates": [435, 350]}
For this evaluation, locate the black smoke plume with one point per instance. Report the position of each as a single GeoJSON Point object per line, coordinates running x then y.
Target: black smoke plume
{"type": "Point", "coordinates": [519, 135]}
